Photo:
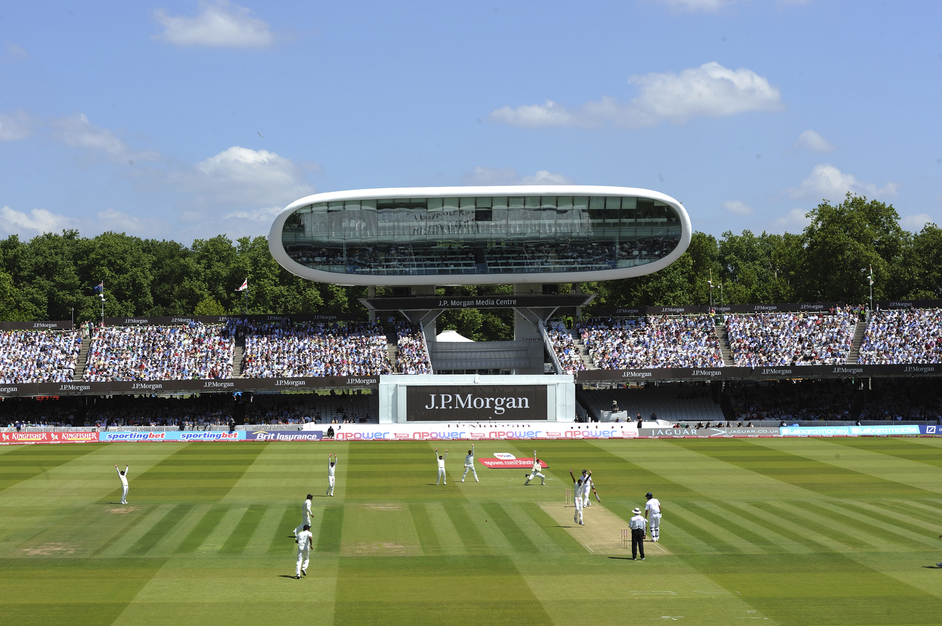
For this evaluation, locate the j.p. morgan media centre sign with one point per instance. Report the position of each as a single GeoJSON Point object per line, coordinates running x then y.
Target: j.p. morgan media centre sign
{"type": "Point", "coordinates": [479, 403]}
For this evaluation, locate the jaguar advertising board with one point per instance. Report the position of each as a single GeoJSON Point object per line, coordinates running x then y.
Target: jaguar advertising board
{"type": "Point", "coordinates": [476, 403]}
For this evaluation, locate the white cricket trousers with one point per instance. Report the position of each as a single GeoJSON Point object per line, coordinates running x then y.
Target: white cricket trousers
{"type": "Point", "coordinates": [304, 559]}
{"type": "Point", "coordinates": [655, 526]}
{"type": "Point", "coordinates": [577, 516]}
{"type": "Point", "coordinates": [306, 520]}
{"type": "Point", "coordinates": [470, 468]}
{"type": "Point", "coordinates": [330, 485]}
{"type": "Point", "coordinates": [441, 477]}
{"type": "Point", "coordinates": [124, 494]}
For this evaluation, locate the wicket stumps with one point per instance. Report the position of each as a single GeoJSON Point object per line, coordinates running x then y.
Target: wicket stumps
{"type": "Point", "coordinates": [567, 497]}
{"type": "Point", "coordinates": [626, 538]}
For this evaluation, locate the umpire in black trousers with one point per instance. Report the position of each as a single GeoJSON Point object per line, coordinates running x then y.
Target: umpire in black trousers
{"type": "Point", "coordinates": [637, 524]}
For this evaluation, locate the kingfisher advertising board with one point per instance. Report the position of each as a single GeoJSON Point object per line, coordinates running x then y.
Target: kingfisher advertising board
{"type": "Point", "coordinates": [85, 436]}
{"type": "Point", "coordinates": [476, 403]}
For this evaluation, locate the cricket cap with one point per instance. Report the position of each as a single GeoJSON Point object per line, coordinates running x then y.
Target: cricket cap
{"type": "Point", "coordinates": [649, 495]}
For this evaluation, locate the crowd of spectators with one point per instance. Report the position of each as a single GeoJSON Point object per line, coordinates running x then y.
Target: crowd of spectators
{"type": "Point", "coordinates": [653, 341]}
{"type": "Point", "coordinates": [566, 349]}
{"type": "Point", "coordinates": [902, 336]}
{"type": "Point", "coordinates": [190, 351]}
{"type": "Point", "coordinates": [782, 339]}
{"type": "Point", "coordinates": [918, 399]}
{"type": "Point", "coordinates": [38, 356]}
{"type": "Point", "coordinates": [299, 350]}
{"type": "Point", "coordinates": [412, 355]}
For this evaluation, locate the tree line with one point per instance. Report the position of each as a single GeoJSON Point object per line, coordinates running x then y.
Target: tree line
{"type": "Point", "coordinates": [53, 276]}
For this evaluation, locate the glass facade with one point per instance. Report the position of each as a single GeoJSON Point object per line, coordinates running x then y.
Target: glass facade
{"type": "Point", "coordinates": [481, 235]}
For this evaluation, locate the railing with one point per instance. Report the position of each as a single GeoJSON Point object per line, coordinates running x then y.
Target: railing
{"type": "Point", "coordinates": [549, 347]}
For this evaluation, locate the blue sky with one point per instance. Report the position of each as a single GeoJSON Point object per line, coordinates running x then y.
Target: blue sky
{"type": "Point", "coordinates": [182, 120]}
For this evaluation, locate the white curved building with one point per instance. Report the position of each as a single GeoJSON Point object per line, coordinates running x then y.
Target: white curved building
{"type": "Point", "coordinates": [480, 235]}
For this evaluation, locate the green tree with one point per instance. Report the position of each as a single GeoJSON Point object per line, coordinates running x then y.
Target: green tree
{"type": "Point", "coordinates": [840, 245]}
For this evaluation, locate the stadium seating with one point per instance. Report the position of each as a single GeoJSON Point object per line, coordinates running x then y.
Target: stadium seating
{"type": "Point", "coordinates": [902, 336]}
{"type": "Point", "coordinates": [653, 341]}
{"type": "Point", "coordinates": [38, 356]}
{"type": "Point", "coordinates": [777, 339]}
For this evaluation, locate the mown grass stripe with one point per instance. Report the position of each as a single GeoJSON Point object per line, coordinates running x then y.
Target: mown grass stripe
{"type": "Point", "coordinates": [160, 529]}
{"type": "Point", "coordinates": [331, 531]}
{"type": "Point", "coordinates": [556, 533]}
{"type": "Point", "coordinates": [287, 525]}
{"type": "Point", "coordinates": [141, 516]}
{"type": "Point", "coordinates": [449, 540]}
{"type": "Point", "coordinates": [239, 538]}
{"type": "Point", "coordinates": [471, 537]}
{"type": "Point", "coordinates": [900, 518]}
{"type": "Point", "coordinates": [880, 533]}
{"type": "Point", "coordinates": [265, 532]}
{"type": "Point", "coordinates": [833, 537]}
{"type": "Point", "coordinates": [919, 511]}
{"type": "Point", "coordinates": [425, 530]}
{"type": "Point", "coordinates": [730, 524]}
{"type": "Point", "coordinates": [789, 540]}
{"type": "Point", "coordinates": [517, 537]}
{"type": "Point", "coordinates": [27, 461]}
{"type": "Point", "coordinates": [696, 526]}
{"type": "Point", "coordinates": [202, 530]}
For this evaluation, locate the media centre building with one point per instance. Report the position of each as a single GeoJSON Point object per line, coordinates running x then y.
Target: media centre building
{"type": "Point", "coordinates": [533, 237]}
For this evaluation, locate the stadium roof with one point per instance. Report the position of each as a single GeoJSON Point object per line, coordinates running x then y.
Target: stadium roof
{"type": "Point", "coordinates": [480, 235]}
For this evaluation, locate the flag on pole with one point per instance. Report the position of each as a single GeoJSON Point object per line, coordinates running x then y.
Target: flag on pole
{"type": "Point", "coordinates": [245, 285]}
{"type": "Point", "coordinates": [871, 276]}
{"type": "Point", "coordinates": [100, 287]}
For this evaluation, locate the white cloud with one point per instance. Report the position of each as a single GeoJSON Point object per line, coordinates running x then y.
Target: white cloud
{"type": "Point", "coordinates": [737, 207]}
{"type": "Point", "coordinates": [711, 5]}
{"type": "Point", "coordinates": [77, 132]}
{"type": "Point", "coordinates": [118, 221]}
{"type": "Point", "coordinates": [710, 90]}
{"type": "Point", "coordinates": [36, 222]}
{"type": "Point", "coordinates": [829, 183]}
{"type": "Point", "coordinates": [14, 126]}
{"type": "Point", "coordinates": [13, 52]}
{"type": "Point", "coordinates": [218, 24]}
{"type": "Point", "coordinates": [264, 214]}
{"type": "Point", "coordinates": [914, 223]}
{"type": "Point", "coordinates": [697, 5]}
{"type": "Point", "coordinates": [794, 221]}
{"type": "Point", "coordinates": [815, 142]}
{"type": "Point", "coordinates": [240, 177]}
{"type": "Point", "coordinates": [481, 175]}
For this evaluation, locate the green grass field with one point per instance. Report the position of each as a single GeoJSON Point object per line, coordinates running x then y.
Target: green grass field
{"type": "Point", "coordinates": [810, 531]}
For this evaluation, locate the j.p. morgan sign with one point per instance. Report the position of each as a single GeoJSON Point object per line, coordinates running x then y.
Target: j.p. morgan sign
{"type": "Point", "coordinates": [477, 403]}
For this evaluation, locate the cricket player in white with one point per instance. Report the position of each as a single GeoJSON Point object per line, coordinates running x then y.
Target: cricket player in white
{"type": "Point", "coordinates": [653, 507]}
{"type": "Point", "coordinates": [305, 514]}
{"type": "Point", "coordinates": [469, 465]}
{"type": "Point", "coordinates": [586, 489]}
{"type": "Point", "coordinates": [535, 472]}
{"type": "Point", "coordinates": [305, 542]}
{"type": "Point", "coordinates": [124, 483]}
{"type": "Point", "coordinates": [577, 495]}
{"type": "Point", "coordinates": [441, 466]}
{"type": "Point", "coordinates": [331, 479]}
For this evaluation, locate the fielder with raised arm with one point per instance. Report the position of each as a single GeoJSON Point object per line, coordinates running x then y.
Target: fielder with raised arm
{"type": "Point", "coordinates": [469, 465]}
{"type": "Point", "coordinates": [441, 466]}
{"type": "Point", "coordinates": [535, 472]}
{"type": "Point", "coordinates": [577, 496]}
{"type": "Point", "coordinates": [331, 478]}
{"type": "Point", "coordinates": [124, 483]}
